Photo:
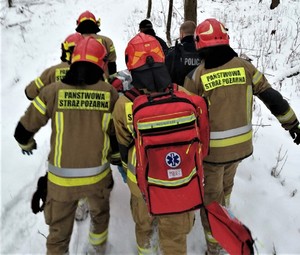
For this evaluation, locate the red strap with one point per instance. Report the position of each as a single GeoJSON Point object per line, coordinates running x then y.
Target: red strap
{"type": "Point", "coordinates": [132, 93]}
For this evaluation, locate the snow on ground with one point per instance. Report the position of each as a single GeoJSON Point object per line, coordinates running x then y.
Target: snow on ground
{"type": "Point", "coordinates": [31, 34]}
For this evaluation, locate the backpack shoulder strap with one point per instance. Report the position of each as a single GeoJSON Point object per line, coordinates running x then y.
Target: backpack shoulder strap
{"type": "Point", "coordinates": [132, 93]}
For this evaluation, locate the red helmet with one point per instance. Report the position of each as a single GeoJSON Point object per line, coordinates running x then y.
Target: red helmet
{"type": "Point", "coordinates": [209, 33]}
{"type": "Point", "coordinates": [143, 49]}
{"type": "Point", "coordinates": [87, 15]}
{"type": "Point", "coordinates": [90, 50]}
{"type": "Point", "coordinates": [68, 46]}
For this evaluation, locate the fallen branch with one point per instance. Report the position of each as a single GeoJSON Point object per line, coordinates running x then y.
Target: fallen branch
{"type": "Point", "coordinates": [294, 74]}
{"type": "Point", "coordinates": [261, 125]}
{"type": "Point", "coordinates": [18, 24]}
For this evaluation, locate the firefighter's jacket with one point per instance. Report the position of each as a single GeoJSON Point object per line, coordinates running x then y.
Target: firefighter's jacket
{"type": "Point", "coordinates": [123, 123]}
{"type": "Point", "coordinates": [229, 90]}
{"type": "Point", "coordinates": [81, 124]}
{"type": "Point", "coordinates": [50, 75]}
{"type": "Point", "coordinates": [111, 52]}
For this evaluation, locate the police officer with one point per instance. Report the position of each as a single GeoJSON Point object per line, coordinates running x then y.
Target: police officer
{"type": "Point", "coordinates": [80, 110]}
{"type": "Point", "coordinates": [183, 57]}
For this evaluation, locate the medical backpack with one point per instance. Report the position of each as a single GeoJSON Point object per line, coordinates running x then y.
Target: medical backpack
{"type": "Point", "coordinates": [171, 140]}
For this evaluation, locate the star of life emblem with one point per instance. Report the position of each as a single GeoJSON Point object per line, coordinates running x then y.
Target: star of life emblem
{"type": "Point", "coordinates": [173, 160]}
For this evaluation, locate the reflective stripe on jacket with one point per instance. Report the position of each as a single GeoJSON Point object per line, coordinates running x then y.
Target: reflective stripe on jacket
{"type": "Point", "coordinates": [70, 177]}
{"type": "Point", "coordinates": [81, 124]}
{"type": "Point", "coordinates": [229, 91]}
{"type": "Point", "coordinates": [50, 75]}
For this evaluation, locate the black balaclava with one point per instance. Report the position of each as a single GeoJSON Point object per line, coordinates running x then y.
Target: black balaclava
{"type": "Point", "coordinates": [217, 56]}
{"type": "Point", "coordinates": [154, 79]}
{"type": "Point", "coordinates": [83, 73]}
{"type": "Point", "coordinates": [87, 27]}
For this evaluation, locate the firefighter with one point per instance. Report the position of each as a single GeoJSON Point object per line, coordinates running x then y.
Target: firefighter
{"type": "Point", "coordinates": [88, 25]}
{"type": "Point", "coordinates": [146, 27]}
{"type": "Point", "coordinates": [54, 73]}
{"type": "Point", "coordinates": [147, 75]}
{"type": "Point", "coordinates": [80, 108]}
{"type": "Point", "coordinates": [228, 83]}
{"type": "Point", "coordinates": [50, 75]}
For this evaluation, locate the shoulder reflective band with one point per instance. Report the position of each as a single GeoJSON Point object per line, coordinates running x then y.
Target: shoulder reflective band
{"type": "Point", "coordinates": [39, 105]}
{"type": "Point", "coordinates": [230, 132]}
{"type": "Point", "coordinates": [111, 48]}
{"type": "Point", "coordinates": [166, 123]}
{"type": "Point", "coordinates": [77, 172]}
{"type": "Point", "coordinates": [174, 182]}
{"type": "Point", "coordinates": [226, 77]}
{"type": "Point", "coordinates": [100, 40]}
{"type": "Point", "coordinates": [256, 77]}
{"type": "Point", "coordinates": [38, 82]}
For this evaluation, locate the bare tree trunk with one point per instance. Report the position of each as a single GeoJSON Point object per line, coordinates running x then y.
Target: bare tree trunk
{"type": "Point", "coordinates": [168, 34]}
{"type": "Point", "coordinates": [10, 3]}
{"type": "Point", "coordinates": [149, 9]}
{"type": "Point", "coordinates": [190, 10]}
{"type": "Point", "coordinates": [274, 4]}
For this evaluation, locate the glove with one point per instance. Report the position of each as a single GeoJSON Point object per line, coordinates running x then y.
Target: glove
{"type": "Point", "coordinates": [117, 84]}
{"type": "Point", "coordinates": [123, 173]}
{"type": "Point", "coordinates": [27, 148]}
{"type": "Point", "coordinates": [39, 195]}
{"type": "Point", "coordinates": [295, 133]}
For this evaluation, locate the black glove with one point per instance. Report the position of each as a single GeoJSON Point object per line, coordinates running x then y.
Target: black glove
{"type": "Point", "coordinates": [39, 194]}
{"type": "Point", "coordinates": [27, 148]}
{"type": "Point", "coordinates": [295, 133]}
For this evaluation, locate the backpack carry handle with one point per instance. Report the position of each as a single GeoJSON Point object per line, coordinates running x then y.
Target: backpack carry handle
{"type": "Point", "coordinates": [170, 91]}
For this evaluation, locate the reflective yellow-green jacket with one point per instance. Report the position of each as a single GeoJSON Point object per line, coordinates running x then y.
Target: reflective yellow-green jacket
{"type": "Point", "coordinates": [52, 74]}
{"type": "Point", "coordinates": [229, 90]}
{"type": "Point", "coordinates": [81, 123]}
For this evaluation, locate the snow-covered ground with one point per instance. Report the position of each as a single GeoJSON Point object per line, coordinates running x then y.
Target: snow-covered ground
{"type": "Point", "coordinates": [268, 204]}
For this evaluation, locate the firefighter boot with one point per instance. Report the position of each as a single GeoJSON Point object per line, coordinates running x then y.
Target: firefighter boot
{"type": "Point", "coordinates": [82, 210]}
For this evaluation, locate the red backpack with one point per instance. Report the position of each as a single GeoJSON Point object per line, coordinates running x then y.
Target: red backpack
{"type": "Point", "coordinates": [171, 139]}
